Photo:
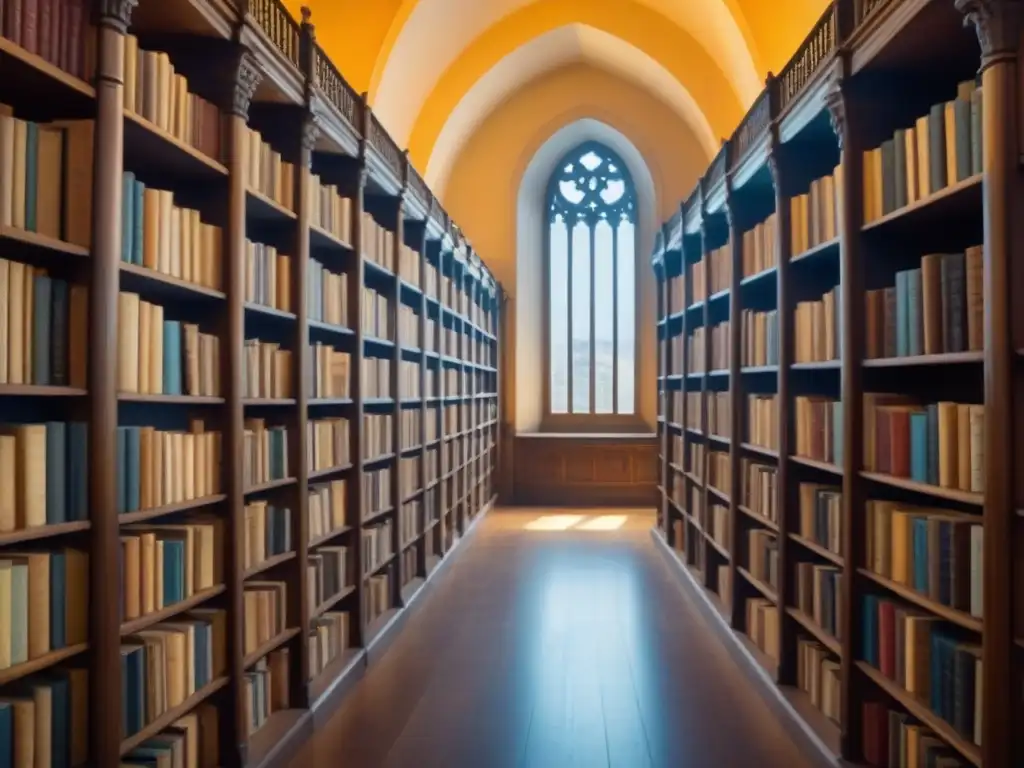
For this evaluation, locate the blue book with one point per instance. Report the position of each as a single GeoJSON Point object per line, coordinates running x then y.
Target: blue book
{"type": "Point", "coordinates": [870, 629]}
{"type": "Point", "coordinates": [139, 207]}
{"type": "Point", "coordinates": [60, 722]}
{"type": "Point", "coordinates": [919, 450]}
{"type": "Point", "coordinates": [837, 433]}
{"type": "Point", "coordinates": [902, 316]}
{"type": "Point", "coordinates": [6, 735]}
{"type": "Point", "coordinates": [59, 330]}
{"type": "Point", "coordinates": [174, 569]}
{"type": "Point", "coordinates": [31, 174]}
{"type": "Point", "coordinates": [133, 699]}
{"type": "Point", "coordinates": [920, 544]}
{"type": "Point", "coordinates": [946, 532]}
{"type": "Point", "coordinates": [133, 469]}
{"type": "Point", "coordinates": [915, 327]}
{"type": "Point", "coordinates": [78, 470]}
{"type": "Point", "coordinates": [127, 215]}
{"type": "Point", "coordinates": [56, 472]}
{"type": "Point", "coordinates": [932, 442]}
{"type": "Point", "coordinates": [202, 655]}
{"type": "Point", "coordinates": [172, 357]}
{"type": "Point", "coordinates": [58, 604]}
{"type": "Point", "coordinates": [42, 306]}
{"type": "Point", "coordinates": [122, 470]}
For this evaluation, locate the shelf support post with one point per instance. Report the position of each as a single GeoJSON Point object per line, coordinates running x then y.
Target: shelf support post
{"type": "Point", "coordinates": [108, 163]}
{"type": "Point", "coordinates": [998, 26]}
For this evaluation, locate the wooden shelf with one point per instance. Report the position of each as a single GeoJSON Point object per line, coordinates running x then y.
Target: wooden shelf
{"type": "Point", "coordinates": [172, 715]}
{"type": "Point", "coordinates": [142, 622]}
{"type": "Point", "coordinates": [765, 589]}
{"type": "Point", "coordinates": [319, 541]}
{"type": "Point", "coordinates": [815, 464]}
{"type": "Point", "coordinates": [949, 358]}
{"type": "Point", "coordinates": [268, 564]}
{"type": "Point", "coordinates": [332, 601]}
{"type": "Point", "coordinates": [768, 453]}
{"type": "Point", "coordinates": [818, 632]}
{"type": "Point", "coordinates": [320, 473]}
{"type": "Point", "coordinates": [952, 615]}
{"type": "Point", "coordinates": [759, 519]}
{"type": "Point", "coordinates": [160, 151]}
{"type": "Point", "coordinates": [40, 663]}
{"type": "Point", "coordinates": [936, 492]}
{"type": "Point", "coordinates": [143, 515]}
{"type": "Point", "coordinates": [259, 207]}
{"type": "Point", "coordinates": [270, 485]}
{"type": "Point", "coordinates": [40, 532]}
{"type": "Point", "coordinates": [144, 280]}
{"type": "Point", "coordinates": [138, 397]}
{"type": "Point", "coordinates": [39, 390]}
{"type": "Point", "coordinates": [962, 196]}
{"type": "Point", "coordinates": [270, 646]}
{"type": "Point", "coordinates": [819, 550]}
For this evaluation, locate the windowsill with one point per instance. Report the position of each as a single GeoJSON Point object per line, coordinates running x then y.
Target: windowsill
{"type": "Point", "coordinates": [614, 428]}
{"type": "Point", "coordinates": [609, 436]}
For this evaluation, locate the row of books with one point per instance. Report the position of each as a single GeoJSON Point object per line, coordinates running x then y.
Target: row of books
{"type": "Point", "coordinates": [696, 344]}
{"type": "Point", "coordinates": [697, 453]}
{"type": "Point", "coordinates": [893, 738]}
{"type": "Point", "coordinates": [43, 322]}
{"type": "Point", "coordinates": [763, 556]}
{"type": "Point", "coordinates": [328, 443]}
{"type": "Point", "coordinates": [46, 722]}
{"type": "Point", "coordinates": [267, 370]}
{"type": "Point", "coordinates": [760, 338]}
{"type": "Point", "coordinates": [408, 476]}
{"type": "Point", "coordinates": [266, 689]}
{"type": "Point", "coordinates": [716, 268]}
{"type": "Point", "coordinates": [327, 640]}
{"type": "Point", "coordinates": [716, 524]}
{"type": "Point", "coordinates": [376, 492]}
{"type": "Point", "coordinates": [164, 564]}
{"type": "Point", "coordinates": [329, 210]}
{"type": "Point", "coordinates": [817, 330]}
{"type": "Point", "coordinates": [264, 171]}
{"type": "Point", "coordinates": [168, 662]}
{"type": "Point", "coordinates": [163, 357]}
{"type": "Point", "coordinates": [264, 613]}
{"type": "Point", "coordinates": [168, 238]}
{"type": "Point", "coordinates": [264, 453]}
{"type": "Point", "coordinates": [376, 315]}
{"type": "Point", "coordinates": [928, 659]}
{"type": "Point", "coordinates": [44, 603]}
{"type": "Point", "coordinates": [267, 532]}
{"type": "Point", "coordinates": [326, 295]}
{"type": "Point", "coordinates": [940, 149]}
{"type": "Point", "coordinates": [328, 572]}
{"type": "Point", "coordinates": [378, 596]}
{"type": "Point", "coordinates": [327, 508]}
{"type": "Point", "coordinates": [378, 243]}
{"type": "Point", "coordinates": [377, 435]}
{"type": "Point", "coordinates": [156, 467]}
{"type": "Point", "coordinates": [377, 546]}
{"type": "Point", "coordinates": [268, 276]}
{"type": "Point", "coordinates": [409, 264]}
{"type": "Point", "coordinates": [760, 487]}
{"type": "Point", "coordinates": [819, 429]}
{"type": "Point", "coordinates": [409, 428]}
{"type": "Point", "coordinates": [819, 595]}
{"type": "Point", "coordinates": [719, 471]}
{"type": "Point", "coordinates": [821, 515]}
{"type": "Point", "coordinates": [408, 524]}
{"type": "Point", "coordinates": [940, 444]}
{"type": "Point", "coordinates": [330, 374]}
{"type": "Point", "coordinates": [376, 377]}
{"type": "Point", "coordinates": [64, 37]}
{"type": "Point", "coordinates": [719, 414]}
{"type": "Point", "coordinates": [677, 293]}
{"type": "Point", "coordinates": [762, 625]}
{"type": "Point", "coordinates": [763, 421]}
{"type": "Point", "coordinates": [818, 675]}
{"type": "Point", "coordinates": [155, 91]}
{"type": "Point", "coordinates": [760, 247]}
{"type": "Point", "coordinates": [935, 309]}
{"type": "Point", "coordinates": [409, 379]}
{"type": "Point", "coordinates": [408, 325]}
{"type": "Point", "coordinates": [814, 215]}
{"type": "Point", "coordinates": [935, 552]}
{"type": "Point", "coordinates": [44, 474]}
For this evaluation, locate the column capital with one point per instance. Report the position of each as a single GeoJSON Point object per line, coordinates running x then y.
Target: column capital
{"type": "Point", "coordinates": [116, 13]}
{"type": "Point", "coordinates": [997, 24]}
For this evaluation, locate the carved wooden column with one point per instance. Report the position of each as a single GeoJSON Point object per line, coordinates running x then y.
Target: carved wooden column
{"type": "Point", "coordinates": [398, 395]}
{"type": "Point", "coordinates": [108, 164]}
{"type": "Point", "coordinates": [851, 388]}
{"type": "Point", "coordinates": [243, 77]}
{"type": "Point", "coordinates": [998, 26]}
{"type": "Point", "coordinates": [736, 390]}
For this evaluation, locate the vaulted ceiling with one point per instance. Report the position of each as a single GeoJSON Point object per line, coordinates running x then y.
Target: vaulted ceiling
{"type": "Point", "coordinates": [435, 70]}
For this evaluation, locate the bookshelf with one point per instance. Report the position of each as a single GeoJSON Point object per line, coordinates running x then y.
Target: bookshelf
{"type": "Point", "coordinates": [259, 409]}
{"type": "Point", "coordinates": [838, 485]}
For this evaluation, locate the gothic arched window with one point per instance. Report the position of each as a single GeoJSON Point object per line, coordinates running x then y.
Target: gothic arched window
{"type": "Point", "coordinates": [591, 285]}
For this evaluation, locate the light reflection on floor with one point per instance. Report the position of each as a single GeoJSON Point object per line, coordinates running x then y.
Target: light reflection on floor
{"type": "Point", "coordinates": [576, 523]}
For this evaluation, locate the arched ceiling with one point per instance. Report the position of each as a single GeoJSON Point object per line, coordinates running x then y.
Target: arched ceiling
{"type": "Point", "coordinates": [427, 64]}
{"type": "Point", "coordinates": [574, 43]}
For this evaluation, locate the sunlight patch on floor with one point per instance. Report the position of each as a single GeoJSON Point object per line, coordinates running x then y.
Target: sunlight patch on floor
{"type": "Point", "coordinates": [576, 523]}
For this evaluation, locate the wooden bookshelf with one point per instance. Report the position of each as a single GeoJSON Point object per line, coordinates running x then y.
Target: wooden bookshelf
{"type": "Point", "coordinates": [827, 169]}
{"type": "Point", "coordinates": [260, 204]}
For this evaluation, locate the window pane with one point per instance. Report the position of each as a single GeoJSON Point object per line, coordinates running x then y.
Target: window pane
{"type": "Point", "coordinates": [627, 317]}
{"type": "Point", "coordinates": [559, 325]}
{"type": "Point", "coordinates": [581, 318]}
{"type": "Point", "coordinates": [604, 363]}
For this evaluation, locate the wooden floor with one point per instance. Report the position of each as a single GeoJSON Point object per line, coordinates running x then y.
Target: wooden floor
{"type": "Point", "coordinates": [556, 648]}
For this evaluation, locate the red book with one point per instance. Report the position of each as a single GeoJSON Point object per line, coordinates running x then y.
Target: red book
{"type": "Point", "coordinates": [45, 8]}
{"type": "Point", "coordinates": [875, 742]}
{"type": "Point", "coordinates": [899, 442]}
{"type": "Point", "coordinates": [29, 26]}
{"type": "Point", "coordinates": [12, 21]}
{"type": "Point", "coordinates": [887, 638]}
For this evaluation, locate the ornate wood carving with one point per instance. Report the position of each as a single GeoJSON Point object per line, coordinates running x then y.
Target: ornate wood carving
{"type": "Point", "coordinates": [310, 131]}
{"type": "Point", "coordinates": [997, 24]}
{"type": "Point", "coordinates": [836, 104]}
{"type": "Point", "coordinates": [117, 13]}
{"type": "Point", "coordinates": [245, 76]}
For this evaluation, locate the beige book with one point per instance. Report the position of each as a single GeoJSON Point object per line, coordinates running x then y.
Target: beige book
{"type": "Point", "coordinates": [128, 342]}
{"type": "Point", "coordinates": [49, 168]}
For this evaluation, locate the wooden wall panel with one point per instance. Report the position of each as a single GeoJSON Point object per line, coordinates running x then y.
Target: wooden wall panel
{"type": "Point", "coordinates": [580, 470]}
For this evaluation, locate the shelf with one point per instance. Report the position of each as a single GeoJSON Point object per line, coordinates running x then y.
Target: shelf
{"type": "Point", "coordinates": [380, 566]}
{"type": "Point", "coordinates": [760, 519]}
{"type": "Point", "coordinates": [819, 550]}
{"type": "Point", "coordinates": [720, 494]}
{"type": "Point", "coordinates": [340, 330]}
{"type": "Point", "coordinates": [39, 390]}
{"type": "Point", "coordinates": [321, 402]}
{"type": "Point", "coordinates": [266, 565]}
{"type": "Point", "coordinates": [757, 277]}
{"type": "Point", "coordinates": [259, 207]}
{"type": "Point", "coordinates": [332, 601]}
{"type": "Point", "coordinates": [150, 147]}
{"type": "Point", "coordinates": [267, 402]}
{"type": "Point", "coordinates": [948, 203]}
{"type": "Point", "coordinates": [820, 365]}
{"type": "Point", "coordinates": [279, 729]}
{"type": "Point", "coordinates": [144, 280]}
{"type": "Point", "coordinates": [169, 611]}
{"type": "Point", "coordinates": [922, 712]}
{"type": "Point", "coordinates": [818, 632]}
{"type": "Point", "coordinates": [759, 370]}
{"type": "Point", "coordinates": [719, 439]}
{"type": "Point", "coordinates": [373, 517]}
{"type": "Point", "coordinates": [935, 491]}
{"type": "Point", "coordinates": [949, 358]}
{"type": "Point", "coordinates": [143, 515]}
{"type": "Point", "coordinates": [138, 397]}
{"type": "Point", "coordinates": [823, 466]}
{"type": "Point", "coordinates": [269, 647]}
{"type": "Point", "coordinates": [270, 485]}
{"type": "Point", "coordinates": [34, 71]}
{"type": "Point", "coordinates": [321, 238]}
{"type": "Point", "coordinates": [768, 453]}
{"type": "Point", "coordinates": [24, 535]}
{"type": "Point", "coordinates": [952, 615]}
{"type": "Point", "coordinates": [717, 546]}
{"type": "Point", "coordinates": [271, 312]}
{"type": "Point", "coordinates": [765, 589]}
{"type": "Point", "coordinates": [40, 663]}
{"type": "Point", "coordinates": [828, 248]}
{"type": "Point", "coordinates": [335, 670]}
{"type": "Point", "coordinates": [172, 715]}
{"type": "Point", "coordinates": [319, 473]}
{"type": "Point", "coordinates": [319, 541]}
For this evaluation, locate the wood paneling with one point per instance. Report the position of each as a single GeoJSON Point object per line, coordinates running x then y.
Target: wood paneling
{"type": "Point", "coordinates": [585, 470]}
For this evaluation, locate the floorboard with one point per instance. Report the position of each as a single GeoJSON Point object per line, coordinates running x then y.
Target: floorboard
{"type": "Point", "coordinates": [557, 648]}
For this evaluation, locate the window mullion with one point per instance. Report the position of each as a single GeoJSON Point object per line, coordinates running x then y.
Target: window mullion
{"type": "Point", "coordinates": [593, 323]}
{"type": "Point", "coordinates": [615, 317]}
{"type": "Point", "coordinates": [568, 291]}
